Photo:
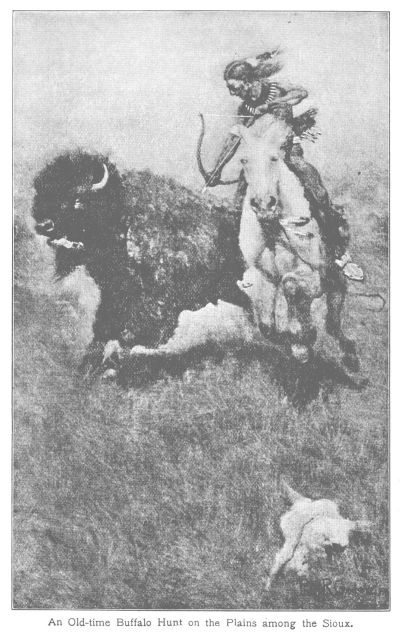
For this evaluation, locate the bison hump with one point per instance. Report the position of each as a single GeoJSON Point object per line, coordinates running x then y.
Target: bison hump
{"type": "Point", "coordinates": [171, 227]}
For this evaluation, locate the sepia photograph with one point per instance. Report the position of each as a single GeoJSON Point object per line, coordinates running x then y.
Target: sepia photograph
{"type": "Point", "coordinates": [200, 310]}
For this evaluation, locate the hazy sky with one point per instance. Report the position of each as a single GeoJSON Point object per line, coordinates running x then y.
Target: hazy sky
{"type": "Point", "coordinates": [133, 83]}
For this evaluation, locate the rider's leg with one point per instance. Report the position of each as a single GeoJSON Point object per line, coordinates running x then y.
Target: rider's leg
{"type": "Point", "coordinates": [331, 218]}
{"type": "Point", "coordinates": [308, 175]}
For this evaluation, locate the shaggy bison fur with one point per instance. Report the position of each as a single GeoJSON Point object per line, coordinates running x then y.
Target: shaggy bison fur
{"type": "Point", "coordinates": [153, 247]}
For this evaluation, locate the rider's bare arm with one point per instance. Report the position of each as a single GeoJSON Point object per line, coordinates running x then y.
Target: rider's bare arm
{"type": "Point", "coordinates": [230, 146]}
{"type": "Point", "coordinates": [243, 116]}
{"type": "Point", "coordinates": [290, 96]}
{"type": "Point", "coordinates": [228, 151]}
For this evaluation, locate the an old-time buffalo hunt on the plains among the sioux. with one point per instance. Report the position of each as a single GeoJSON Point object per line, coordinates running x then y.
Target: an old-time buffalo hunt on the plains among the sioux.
{"type": "Point", "coordinates": [200, 312]}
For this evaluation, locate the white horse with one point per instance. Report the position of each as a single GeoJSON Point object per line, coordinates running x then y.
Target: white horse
{"type": "Point", "coordinates": [279, 236]}
{"type": "Point", "coordinates": [285, 257]}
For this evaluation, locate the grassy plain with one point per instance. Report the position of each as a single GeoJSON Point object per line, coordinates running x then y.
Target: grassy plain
{"type": "Point", "coordinates": [168, 497]}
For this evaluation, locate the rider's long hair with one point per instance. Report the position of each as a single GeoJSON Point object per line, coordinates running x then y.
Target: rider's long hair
{"type": "Point", "coordinates": [257, 68]}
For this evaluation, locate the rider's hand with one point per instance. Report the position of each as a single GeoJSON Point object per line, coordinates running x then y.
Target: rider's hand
{"type": "Point", "coordinates": [213, 178]}
{"type": "Point", "coordinates": [261, 110]}
{"type": "Point", "coordinates": [275, 107]}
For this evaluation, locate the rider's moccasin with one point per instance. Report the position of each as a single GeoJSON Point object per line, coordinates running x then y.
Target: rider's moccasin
{"type": "Point", "coordinates": [353, 271]}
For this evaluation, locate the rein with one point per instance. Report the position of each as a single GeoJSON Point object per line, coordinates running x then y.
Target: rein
{"type": "Point", "coordinates": [291, 247]}
{"type": "Point", "coordinates": [294, 250]}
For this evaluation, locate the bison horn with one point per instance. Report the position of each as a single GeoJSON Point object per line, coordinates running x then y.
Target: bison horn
{"type": "Point", "coordinates": [99, 185]}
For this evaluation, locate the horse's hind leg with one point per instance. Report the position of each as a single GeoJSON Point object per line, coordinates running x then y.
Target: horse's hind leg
{"type": "Point", "coordinates": [335, 304]}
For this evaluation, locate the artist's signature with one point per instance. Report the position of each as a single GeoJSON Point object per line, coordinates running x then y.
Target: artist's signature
{"type": "Point", "coordinates": [327, 586]}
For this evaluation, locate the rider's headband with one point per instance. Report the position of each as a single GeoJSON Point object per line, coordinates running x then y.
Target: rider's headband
{"type": "Point", "coordinates": [238, 70]}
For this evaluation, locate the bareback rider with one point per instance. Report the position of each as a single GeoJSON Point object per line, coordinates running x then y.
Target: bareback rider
{"type": "Point", "coordinates": [250, 81]}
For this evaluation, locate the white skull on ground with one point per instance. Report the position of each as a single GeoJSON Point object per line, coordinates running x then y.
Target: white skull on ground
{"type": "Point", "coordinates": [311, 528]}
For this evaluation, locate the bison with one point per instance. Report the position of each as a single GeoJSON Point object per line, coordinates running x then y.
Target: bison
{"type": "Point", "coordinates": [153, 247]}
{"type": "Point", "coordinates": [156, 249]}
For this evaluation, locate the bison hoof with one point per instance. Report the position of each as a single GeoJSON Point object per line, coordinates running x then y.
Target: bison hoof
{"type": "Point", "coordinates": [92, 362]}
{"type": "Point", "coordinates": [112, 352]}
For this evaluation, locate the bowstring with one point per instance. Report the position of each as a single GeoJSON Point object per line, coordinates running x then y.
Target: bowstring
{"type": "Point", "coordinates": [243, 117]}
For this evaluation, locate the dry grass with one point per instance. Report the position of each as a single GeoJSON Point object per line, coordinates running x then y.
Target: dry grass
{"type": "Point", "coordinates": [168, 497]}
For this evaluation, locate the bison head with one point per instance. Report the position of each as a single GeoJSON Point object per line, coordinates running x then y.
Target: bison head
{"type": "Point", "coordinates": [78, 205]}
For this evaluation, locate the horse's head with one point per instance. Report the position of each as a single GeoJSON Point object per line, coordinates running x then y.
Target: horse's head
{"type": "Point", "coordinates": [262, 155]}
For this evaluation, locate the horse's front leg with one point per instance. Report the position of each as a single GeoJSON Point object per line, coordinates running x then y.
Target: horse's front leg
{"type": "Point", "coordinates": [336, 291]}
{"type": "Point", "coordinates": [251, 239]}
{"type": "Point", "coordinates": [261, 270]}
{"type": "Point", "coordinates": [299, 320]}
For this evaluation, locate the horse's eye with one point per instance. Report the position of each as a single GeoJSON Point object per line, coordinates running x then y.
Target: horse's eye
{"type": "Point", "coordinates": [274, 159]}
{"type": "Point", "coordinates": [244, 161]}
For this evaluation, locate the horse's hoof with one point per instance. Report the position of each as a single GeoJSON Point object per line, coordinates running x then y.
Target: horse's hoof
{"type": "Point", "coordinates": [300, 352]}
{"type": "Point", "coordinates": [109, 374]}
{"type": "Point", "coordinates": [266, 331]}
{"type": "Point", "coordinates": [351, 362]}
{"type": "Point", "coordinates": [359, 382]}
